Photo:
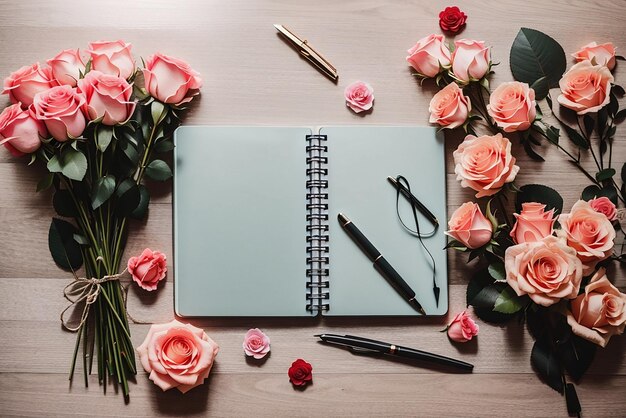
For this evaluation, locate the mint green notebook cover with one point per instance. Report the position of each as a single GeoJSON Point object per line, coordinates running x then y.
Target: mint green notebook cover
{"type": "Point", "coordinates": [240, 205]}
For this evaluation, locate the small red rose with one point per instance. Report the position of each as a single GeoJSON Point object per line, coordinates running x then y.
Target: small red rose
{"type": "Point", "coordinates": [452, 19]}
{"type": "Point", "coordinates": [300, 373]}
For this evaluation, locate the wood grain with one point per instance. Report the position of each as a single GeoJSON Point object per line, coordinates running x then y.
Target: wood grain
{"type": "Point", "coordinates": [252, 78]}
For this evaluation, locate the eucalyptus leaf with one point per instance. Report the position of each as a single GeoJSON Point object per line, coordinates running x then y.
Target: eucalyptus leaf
{"type": "Point", "coordinates": [158, 170]}
{"type": "Point", "coordinates": [541, 194]}
{"type": "Point", "coordinates": [590, 192]}
{"type": "Point", "coordinates": [605, 174]}
{"type": "Point", "coordinates": [535, 55]}
{"type": "Point", "coordinates": [65, 251]}
{"type": "Point", "coordinates": [102, 190]}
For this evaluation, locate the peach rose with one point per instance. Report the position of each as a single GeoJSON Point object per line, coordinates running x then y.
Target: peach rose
{"type": "Point", "coordinates": [600, 312]}
{"type": "Point", "coordinates": [470, 60]}
{"type": "Point", "coordinates": [512, 106]}
{"type": "Point", "coordinates": [107, 97]}
{"type": "Point", "coordinates": [449, 108]}
{"type": "Point", "coordinates": [485, 163]}
{"type": "Point", "coordinates": [171, 80]}
{"type": "Point", "coordinates": [177, 355]}
{"type": "Point", "coordinates": [603, 54]}
{"type": "Point", "coordinates": [533, 223]}
{"type": "Point", "coordinates": [589, 233]}
{"type": "Point", "coordinates": [546, 270]}
{"type": "Point", "coordinates": [462, 328]}
{"type": "Point", "coordinates": [66, 66]}
{"type": "Point", "coordinates": [60, 109]}
{"type": "Point", "coordinates": [359, 96]}
{"type": "Point", "coordinates": [469, 226]}
{"type": "Point", "coordinates": [112, 57]}
{"type": "Point", "coordinates": [23, 84]}
{"type": "Point", "coordinates": [20, 132]}
{"type": "Point", "coordinates": [429, 56]}
{"type": "Point", "coordinates": [605, 206]}
{"type": "Point", "coordinates": [256, 344]}
{"type": "Point", "coordinates": [148, 269]}
{"type": "Point", "coordinates": [585, 87]}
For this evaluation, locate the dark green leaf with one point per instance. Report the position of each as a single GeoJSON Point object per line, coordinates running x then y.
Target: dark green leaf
{"type": "Point", "coordinates": [102, 190]}
{"type": "Point", "coordinates": [64, 204]}
{"type": "Point", "coordinates": [164, 146]}
{"type": "Point", "coordinates": [617, 89]}
{"type": "Point", "coordinates": [589, 123]}
{"type": "Point", "coordinates": [142, 208]}
{"type": "Point", "coordinates": [553, 134]}
{"type": "Point", "coordinates": [549, 100]}
{"type": "Point", "coordinates": [496, 270]}
{"type": "Point", "coordinates": [541, 87]}
{"type": "Point", "coordinates": [158, 170]}
{"type": "Point", "coordinates": [547, 365]}
{"type": "Point", "coordinates": [541, 194]}
{"type": "Point", "coordinates": [128, 198]}
{"type": "Point", "coordinates": [104, 135]}
{"type": "Point", "coordinates": [590, 192]}
{"type": "Point", "coordinates": [605, 174]}
{"type": "Point", "coordinates": [576, 137]}
{"type": "Point", "coordinates": [482, 294]}
{"type": "Point", "coordinates": [609, 191]}
{"type": "Point", "coordinates": [535, 55]}
{"type": "Point", "coordinates": [54, 165]}
{"type": "Point", "coordinates": [65, 251]}
{"type": "Point", "coordinates": [571, 398]}
{"type": "Point", "coordinates": [74, 164]}
{"type": "Point", "coordinates": [620, 115]}
{"type": "Point", "coordinates": [577, 355]}
{"type": "Point", "coordinates": [531, 152]}
{"type": "Point", "coordinates": [45, 182]}
{"type": "Point", "coordinates": [508, 302]}
{"type": "Point", "coordinates": [602, 119]}
{"type": "Point", "coordinates": [624, 173]}
{"type": "Point", "coordinates": [613, 106]}
{"type": "Point", "coordinates": [129, 151]}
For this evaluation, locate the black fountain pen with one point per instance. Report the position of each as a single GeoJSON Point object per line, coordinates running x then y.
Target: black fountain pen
{"type": "Point", "coordinates": [380, 263]}
{"type": "Point", "coordinates": [360, 345]}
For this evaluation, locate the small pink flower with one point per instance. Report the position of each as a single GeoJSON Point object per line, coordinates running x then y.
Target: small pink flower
{"type": "Point", "coordinates": [359, 96]}
{"type": "Point", "coordinates": [462, 328]}
{"type": "Point", "coordinates": [604, 205]}
{"type": "Point", "coordinates": [148, 269]}
{"type": "Point", "coordinates": [256, 344]}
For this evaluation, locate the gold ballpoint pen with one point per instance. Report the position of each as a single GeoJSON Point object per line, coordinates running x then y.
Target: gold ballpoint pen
{"type": "Point", "coordinates": [309, 53]}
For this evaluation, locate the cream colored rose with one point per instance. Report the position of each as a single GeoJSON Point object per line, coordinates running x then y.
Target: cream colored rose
{"type": "Point", "coordinates": [600, 312]}
{"type": "Point", "coordinates": [585, 87]}
{"type": "Point", "coordinates": [449, 108]}
{"type": "Point", "coordinates": [512, 106]}
{"type": "Point", "coordinates": [603, 54]}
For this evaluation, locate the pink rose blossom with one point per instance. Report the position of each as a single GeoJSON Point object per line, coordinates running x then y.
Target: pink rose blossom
{"type": "Point", "coordinates": [23, 84]}
{"type": "Point", "coordinates": [585, 88]}
{"type": "Point", "coordinates": [512, 106]}
{"type": "Point", "coordinates": [256, 344]}
{"type": "Point", "coordinates": [469, 226]}
{"type": "Point", "coordinates": [603, 54]}
{"type": "Point", "coordinates": [60, 109]}
{"type": "Point", "coordinates": [429, 56]}
{"type": "Point", "coordinates": [148, 269]}
{"type": "Point", "coordinates": [359, 96]}
{"type": "Point", "coordinates": [112, 57]}
{"type": "Point", "coordinates": [449, 108]}
{"type": "Point", "coordinates": [470, 60]}
{"type": "Point", "coordinates": [66, 67]}
{"type": "Point", "coordinates": [171, 80]}
{"type": "Point", "coordinates": [108, 97]}
{"type": "Point", "coordinates": [462, 328]}
{"type": "Point", "coordinates": [533, 223]}
{"type": "Point", "coordinates": [20, 132]}
{"type": "Point", "coordinates": [604, 205]}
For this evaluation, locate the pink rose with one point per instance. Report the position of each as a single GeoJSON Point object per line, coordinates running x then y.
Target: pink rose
{"type": "Point", "coordinates": [533, 223]}
{"type": "Point", "coordinates": [603, 54]}
{"type": "Point", "coordinates": [177, 355]}
{"type": "Point", "coordinates": [485, 163]}
{"type": "Point", "coordinates": [462, 328]}
{"type": "Point", "coordinates": [470, 60]}
{"type": "Point", "coordinates": [107, 97]}
{"type": "Point", "coordinates": [23, 84]}
{"type": "Point", "coordinates": [512, 106]}
{"type": "Point", "coordinates": [359, 96]}
{"type": "Point", "coordinates": [171, 80]}
{"type": "Point", "coordinates": [605, 206]}
{"type": "Point", "coordinates": [148, 269]}
{"type": "Point", "coordinates": [60, 108]}
{"type": "Point", "coordinates": [20, 132]}
{"type": "Point", "coordinates": [547, 270]}
{"type": "Point", "coordinates": [449, 108]}
{"type": "Point", "coordinates": [600, 312]}
{"type": "Point", "coordinates": [589, 233]}
{"type": "Point", "coordinates": [66, 67]}
{"type": "Point", "coordinates": [112, 57]}
{"type": "Point", "coordinates": [585, 87]}
{"type": "Point", "coordinates": [429, 56]}
{"type": "Point", "coordinates": [256, 344]}
{"type": "Point", "coordinates": [469, 226]}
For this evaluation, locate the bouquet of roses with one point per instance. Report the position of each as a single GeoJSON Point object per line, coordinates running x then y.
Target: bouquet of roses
{"type": "Point", "coordinates": [98, 123]}
{"type": "Point", "coordinates": [541, 265]}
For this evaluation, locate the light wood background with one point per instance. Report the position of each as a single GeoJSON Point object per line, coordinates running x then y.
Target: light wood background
{"type": "Point", "coordinates": [252, 77]}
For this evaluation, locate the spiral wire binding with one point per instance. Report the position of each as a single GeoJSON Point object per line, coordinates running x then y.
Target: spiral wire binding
{"type": "Point", "coordinates": [317, 224]}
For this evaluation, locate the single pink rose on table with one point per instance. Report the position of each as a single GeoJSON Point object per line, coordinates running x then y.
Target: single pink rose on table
{"type": "Point", "coordinates": [256, 344]}
{"type": "Point", "coordinates": [547, 270]}
{"type": "Point", "coordinates": [359, 96]}
{"type": "Point", "coordinates": [585, 87]}
{"type": "Point", "coordinates": [449, 108]}
{"type": "Point", "coordinates": [112, 57]}
{"type": "Point", "coordinates": [429, 56]}
{"type": "Point", "coordinates": [470, 60]}
{"type": "Point", "coordinates": [533, 223]}
{"type": "Point", "coordinates": [469, 226]}
{"type": "Point", "coordinates": [66, 66]}
{"type": "Point", "coordinates": [600, 312]}
{"type": "Point", "coordinates": [60, 109]}
{"type": "Point", "coordinates": [462, 328]}
{"type": "Point", "coordinates": [177, 355]}
{"type": "Point", "coordinates": [23, 84]}
{"type": "Point", "coordinates": [485, 163]}
{"type": "Point", "coordinates": [170, 80]}
{"type": "Point", "coordinates": [603, 54]}
{"type": "Point", "coordinates": [148, 269]}
{"type": "Point", "coordinates": [589, 233]}
{"type": "Point", "coordinates": [605, 206]}
{"type": "Point", "coordinates": [20, 132]}
{"type": "Point", "coordinates": [512, 106]}
{"type": "Point", "coordinates": [107, 97]}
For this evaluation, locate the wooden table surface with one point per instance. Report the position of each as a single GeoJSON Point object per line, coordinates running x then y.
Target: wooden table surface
{"type": "Point", "coordinates": [251, 77]}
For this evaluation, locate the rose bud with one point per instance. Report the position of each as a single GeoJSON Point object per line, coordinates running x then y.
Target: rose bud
{"type": "Point", "coordinates": [605, 206]}
{"type": "Point", "coordinates": [533, 223]}
{"type": "Point", "coordinates": [60, 109]}
{"type": "Point", "coordinates": [602, 54]}
{"type": "Point", "coordinates": [585, 87]}
{"type": "Point", "coordinates": [107, 97]}
{"type": "Point", "coordinates": [470, 60]}
{"type": "Point", "coordinates": [449, 108]}
{"type": "Point", "coordinates": [20, 132]}
{"type": "Point", "coordinates": [512, 106]}
{"type": "Point", "coordinates": [256, 344]}
{"type": "Point", "coordinates": [66, 67]}
{"type": "Point", "coordinates": [300, 373]}
{"type": "Point", "coordinates": [112, 57]}
{"type": "Point", "coordinates": [171, 80]}
{"type": "Point", "coordinates": [429, 56]}
{"type": "Point", "coordinates": [452, 19]}
{"type": "Point", "coordinates": [359, 96]}
{"type": "Point", "coordinates": [462, 328]}
{"type": "Point", "coordinates": [23, 84]}
{"type": "Point", "coordinates": [148, 269]}
{"type": "Point", "coordinates": [469, 226]}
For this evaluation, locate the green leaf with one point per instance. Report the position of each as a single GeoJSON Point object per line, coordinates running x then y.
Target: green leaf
{"type": "Point", "coordinates": [589, 124]}
{"type": "Point", "coordinates": [65, 251]}
{"type": "Point", "coordinates": [547, 365]}
{"type": "Point", "coordinates": [624, 173]}
{"type": "Point", "coordinates": [158, 111]}
{"type": "Point", "coordinates": [142, 208]}
{"type": "Point", "coordinates": [129, 151]}
{"type": "Point", "coordinates": [535, 55]}
{"type": "Point", "coordinates": [491, 217]}
{"type": "Point", "coordinates": [590, 192]}
{"type": "Point", "coordinates": [128, 198]}
{"type": "Point", "coordinates": [577, 355]}
{"type": "Point", "coordinates": [508, 302]}
{"type": "Point", "coordinates": [164, 146]}
{"type": "Point", "coordinates": [45, 183]}
{"type": "Point", "coordinates": [81, 239]}
{"type": "Point", "coordinates": [104, 135]}
{"type": "Point", "coordinates": [54, 165]}
{"type": "Point", "coordinates": [496, 270]}
{"type": "Point", "coordinates": [528, 147]}
{"type": "Point", "coordinates": [74, 164]}
{"type": "Point", "coordinates": [541, 194]}
{"type": "Point", "coordinates": [605, 174]}
{"type": "Point", "coordinates": [602, 119]}
{"type": "Point", "coordinates": [576, 137]}
{"type": "Point", "coordinates": [620, 115]}
{"type": "Point", "coordinates": [158, 170]}
{"type": "Point", "coordinates": [64, 204]}
{"type": "Point", "coordinates": [613, 106]}
{"type": "Point", "coordinates": [541, 87]}
{"type": "Point", "coordinates": [102, 190]}
{"type": "Point", "coordinates": [482, 294]}
{"type": "Point", "coordinates": [553, 134]}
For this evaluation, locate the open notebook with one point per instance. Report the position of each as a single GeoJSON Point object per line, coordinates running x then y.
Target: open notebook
{"type": "Point", "coordinates": [255, 220]}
